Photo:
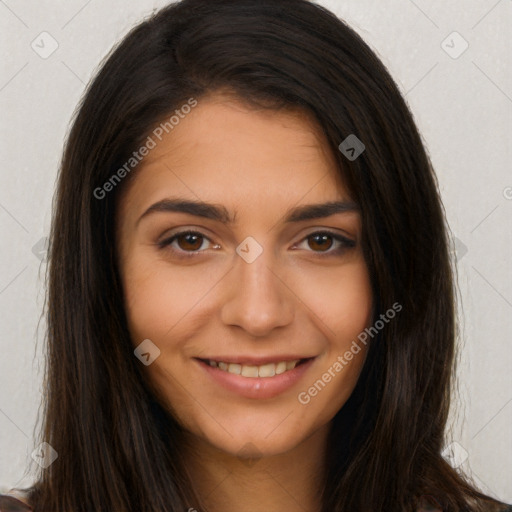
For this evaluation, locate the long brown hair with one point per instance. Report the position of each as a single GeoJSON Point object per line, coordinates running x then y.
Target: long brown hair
{"type": "Point", "coordinates": [118, 447]}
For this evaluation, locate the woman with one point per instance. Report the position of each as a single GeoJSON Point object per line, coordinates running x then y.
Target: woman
{"type": "Point", "coordinates": [250, 300]}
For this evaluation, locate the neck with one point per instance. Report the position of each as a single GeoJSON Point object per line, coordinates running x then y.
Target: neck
{"type": "Point", "coordinates": [290, 481]}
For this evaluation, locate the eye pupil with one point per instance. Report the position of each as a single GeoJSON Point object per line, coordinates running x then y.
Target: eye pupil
{"type": "Point", "coordinates": [190, 238]}
{"type": "Point", "coordinates": [320, 242]}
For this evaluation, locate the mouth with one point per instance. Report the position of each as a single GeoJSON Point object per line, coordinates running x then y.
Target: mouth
{"type": "Point", "coordinates": [266, 370]}
{"type": "Point", "coordinates": [256, 378]}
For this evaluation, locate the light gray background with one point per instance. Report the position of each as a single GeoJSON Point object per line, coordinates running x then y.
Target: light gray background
{"type": "Point", "coordinates": [463, 107]}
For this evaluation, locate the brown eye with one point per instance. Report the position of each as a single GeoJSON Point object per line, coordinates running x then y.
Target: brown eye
{"type": "Point", "coordinates": [320, 241]}
{"type": "Point", "coordinates": [186, 243]}
{"type": "Point", "coordinates": [190, 241]}
{"type": "Point", "coordinates": [327, 243]}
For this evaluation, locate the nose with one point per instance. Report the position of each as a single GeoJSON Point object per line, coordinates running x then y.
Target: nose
{"type": "Point", "coordinates": [258, 300]}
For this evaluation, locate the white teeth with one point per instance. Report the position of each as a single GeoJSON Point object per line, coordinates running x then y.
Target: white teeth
{"type": "Point", "coordinates": [235, 368]}
{"type": "Point", "coordinates": [281, 367]}
{"type": "Point", "coordinates": [265, 370]}
{"type": "Point", "coordinates": [249, 371]}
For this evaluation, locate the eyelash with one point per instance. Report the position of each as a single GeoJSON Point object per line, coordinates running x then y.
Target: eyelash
{"type": "Point", "coordinates": [345, 243]}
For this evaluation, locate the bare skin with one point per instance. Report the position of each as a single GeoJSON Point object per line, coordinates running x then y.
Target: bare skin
{"type": "Point", "coordinates": [307, 295]}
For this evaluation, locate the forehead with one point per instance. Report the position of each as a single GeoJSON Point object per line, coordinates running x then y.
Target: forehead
{"type": "Point", "coordinates": [224, 150]}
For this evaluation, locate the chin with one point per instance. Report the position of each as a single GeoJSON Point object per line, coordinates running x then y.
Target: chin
{"type": "Point", "coordinates": [251, 447]}
{"type": "Point", "coordinates": [251, 436]}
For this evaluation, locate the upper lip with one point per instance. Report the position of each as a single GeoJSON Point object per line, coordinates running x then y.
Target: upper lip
{"type": "Point", "coordinates": [255, 361]}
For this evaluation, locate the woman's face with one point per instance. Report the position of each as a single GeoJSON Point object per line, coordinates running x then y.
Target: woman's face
{"type": "Point", "coordinates": [265, 280]}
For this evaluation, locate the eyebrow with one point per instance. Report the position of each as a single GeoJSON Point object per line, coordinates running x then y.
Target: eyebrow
{"type": "Point", "coordinates": [221, 214]}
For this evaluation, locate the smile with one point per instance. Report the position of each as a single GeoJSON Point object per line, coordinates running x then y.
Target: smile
{"type": "Point", "coordinates": [251, 371]}
{"type": "Point", "coordinates": [244, 377]}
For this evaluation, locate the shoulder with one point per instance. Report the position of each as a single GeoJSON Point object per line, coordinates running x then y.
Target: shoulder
{"type": "Point", "coordinates": [9, 503]}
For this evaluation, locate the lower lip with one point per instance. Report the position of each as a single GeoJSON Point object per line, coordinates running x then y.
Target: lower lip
{"type": "Point", "coordinates": [257, 387]}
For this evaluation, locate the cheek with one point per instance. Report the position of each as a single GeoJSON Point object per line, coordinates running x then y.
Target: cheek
{"type": "Point", "coordinates": [343, 303]}
{"type": "Point", "coordinates": [158, 297]}
{"type": "Point", "coordinates": [352, 313]}
{"type": "Point", "coordinates": [342, 300]}
{"type": "Point", "coordinates": [146, 302]}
